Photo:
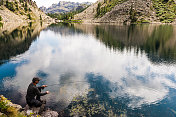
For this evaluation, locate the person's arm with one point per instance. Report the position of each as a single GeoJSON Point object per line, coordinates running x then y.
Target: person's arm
{"type": "Point", "coordinates": [41, 87]}
{"type": "Point", "coordinates": [39, 93]}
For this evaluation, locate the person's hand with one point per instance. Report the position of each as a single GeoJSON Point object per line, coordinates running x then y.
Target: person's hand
{"type": "Point", "coordinates": [47, 92]}
{"type": "Point", "coordinates": [44, 86]}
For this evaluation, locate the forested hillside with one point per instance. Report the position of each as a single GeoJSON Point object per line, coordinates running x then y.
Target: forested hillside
{"type": "Point", "coordinates": [130, 11]}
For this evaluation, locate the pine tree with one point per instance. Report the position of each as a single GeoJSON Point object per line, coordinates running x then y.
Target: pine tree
{"type": "Point", "coordinates": [1, 2]}
{"type": "Point", "coordinates": [98, 9]}
{"type": "Point", "coordinates": [29, 16]}
{"type": "Point", "coordinates": [7, 4]}
{"type": "Point", "coordinates": [0, 18]}
{"type": "Point", "coordinates": [25, 7]}
{"type": "Point", "coordinates": [40, 17]}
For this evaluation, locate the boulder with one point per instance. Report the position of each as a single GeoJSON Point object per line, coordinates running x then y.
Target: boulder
{"type": "Point", "coordinates": [1, 114]}
{"type": "Point", "coordinates": [49, 113]}
{"type": "Point", "coordinates": [40, 110]}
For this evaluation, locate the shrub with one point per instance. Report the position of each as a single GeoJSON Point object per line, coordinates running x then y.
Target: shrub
{"type": "Point", "coordinates": [133, 15]}
{"type": "Point", "coordinates": [29, 16]}
{"type": "Point", "coordinates": [1, 2]}
{"type": "Point", "coordinates": [10, 6]}
{"type": "Point", "coordinates": [26, 7]}
{"type": "Point", "coordinates": [98, 9]}
{"type": "Point", "coordinates": [165, 10]}
{"type": "Point", "coordinates": [0, 18]}
{"type": "Point", "coordinates": [8, 110]}
{"type": "Point", "coordinates": [40, 17]}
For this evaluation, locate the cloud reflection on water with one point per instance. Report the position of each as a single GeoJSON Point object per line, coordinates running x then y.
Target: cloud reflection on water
{"type": "Point", "coordinates": [68, 58]}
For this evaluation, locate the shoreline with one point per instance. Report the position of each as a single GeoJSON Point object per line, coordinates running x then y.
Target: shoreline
{"type": "Point", "coordinates": [112, 22]}
{"type": "Point", "coordinates": [115, 23]}
{"type": "Point", "coordinates": [7, 108]}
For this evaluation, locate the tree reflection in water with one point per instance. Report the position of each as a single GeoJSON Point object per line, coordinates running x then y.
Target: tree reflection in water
{"type": "Point", "coordinates": [157, 41]}
{"type": "Point", "coordinates": [18, 41]}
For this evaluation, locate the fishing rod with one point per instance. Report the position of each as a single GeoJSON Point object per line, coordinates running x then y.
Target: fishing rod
{"type": "Point", "coordinates": [50, 85]}
{"type": "Point", "coordinates": [66, 83]}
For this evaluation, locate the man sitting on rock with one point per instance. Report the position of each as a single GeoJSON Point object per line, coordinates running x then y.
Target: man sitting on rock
{"type": "Point", "coordinates": [34, 93]}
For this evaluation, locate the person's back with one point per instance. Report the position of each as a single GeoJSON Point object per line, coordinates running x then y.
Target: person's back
{"type": "Point", "coordinates": [31, 92]}
{"type": "Point", "coordinates": [34, 93]}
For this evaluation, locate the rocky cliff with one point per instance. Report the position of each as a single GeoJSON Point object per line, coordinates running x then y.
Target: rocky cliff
{"type": "Point", "coordinates": [129, 11]}
{"type": "Point", "coordinates": [63, 7]}
{"type": "Point", "coordinates": [21, 11]}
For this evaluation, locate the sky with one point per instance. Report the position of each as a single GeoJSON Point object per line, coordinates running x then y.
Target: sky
{"type": "Point", "coordinates": [48, 3]}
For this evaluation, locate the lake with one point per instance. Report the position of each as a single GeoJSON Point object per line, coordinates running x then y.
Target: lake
{"type": "Point", "coordinates": [92, 69]}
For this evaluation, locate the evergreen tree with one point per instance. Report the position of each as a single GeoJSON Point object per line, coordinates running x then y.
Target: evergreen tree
{"type": "Point", "coordinates": [29, 16]}
{"type": "Point", "coordinates": [7, 3]}
{"type": "Point", "coordinates": [98, 9]}
{"type": "Point", "coordinates": [0, 18]}
{"type": "Point", "coordinates": [10, 6]}
{"type": "Point", "coordinates": [25, 7]}
{"type": "Point", "coordinates": [1, 2]}
{"type": "Point", "coordinates": [133, 14]}
{"type": "Point", "coordinates": [40, 17]}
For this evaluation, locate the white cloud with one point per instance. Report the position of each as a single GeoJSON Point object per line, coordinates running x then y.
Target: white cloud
{"type": "Point", "coordinates": [48, 3]}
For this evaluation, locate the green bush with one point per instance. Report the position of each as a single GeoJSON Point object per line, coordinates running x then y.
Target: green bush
{"type": "Point", "coordinates": [133, 15]}
{"type": "Point", "coordinates": [1, 24]}
{"type": "Point", "coordinates": [8, 110]}
{"type": "Point", "coordinates": [165, 10]}
{"type": "Point", "coordinates": [1, 2]}
{"type": "Point", "coordinates": [3, 104]}
{"type": "Point", "coordinates": [10, 6]}
{"type": "Point", "coordinates": [40, 17]}
{"type": "Point", "coordinates": [99, 9]}
{"type": "Point", "coordinates": [26, 7]}
{"type": "Point", "coordinates": [29, 16]}
{"type": "Point", "coordinates": [0, 18]}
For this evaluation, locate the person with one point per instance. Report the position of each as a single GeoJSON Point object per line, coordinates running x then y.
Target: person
{"type": "Point", "coordinates": [34, 93]}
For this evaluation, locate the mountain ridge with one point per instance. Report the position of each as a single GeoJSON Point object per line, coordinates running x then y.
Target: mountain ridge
{"type": "Point", "coordinates": [64, 6]}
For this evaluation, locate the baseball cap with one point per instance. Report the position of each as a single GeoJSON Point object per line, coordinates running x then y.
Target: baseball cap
{"type": "Point", "coordinates": [36, 79]}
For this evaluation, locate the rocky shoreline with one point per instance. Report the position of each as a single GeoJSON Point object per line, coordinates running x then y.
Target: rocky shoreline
{"type": "Point", "coordinates": [8, 109]}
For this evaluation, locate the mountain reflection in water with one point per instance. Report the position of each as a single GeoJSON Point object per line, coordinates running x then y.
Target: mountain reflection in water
{"type": "Point", "coordinates": [129, 70]}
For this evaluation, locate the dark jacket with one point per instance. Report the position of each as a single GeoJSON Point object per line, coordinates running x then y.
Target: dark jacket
{"type": "Point", "coordinates": [33, 91]}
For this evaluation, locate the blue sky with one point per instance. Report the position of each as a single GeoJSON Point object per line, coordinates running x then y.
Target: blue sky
{"type": "Point", "coordinates": [48, 3]}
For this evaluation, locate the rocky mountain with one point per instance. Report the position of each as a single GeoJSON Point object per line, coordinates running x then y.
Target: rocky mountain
{"type": "Point", "coordinates": [129, 11]}
{"type": "Point", "coordinates": [64, 6]}
{"type": "Point", "coordinates": [21, 11]}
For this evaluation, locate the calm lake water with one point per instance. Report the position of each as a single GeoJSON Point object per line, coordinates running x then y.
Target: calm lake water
{"type": "Point", "coordinates": [94, 70]}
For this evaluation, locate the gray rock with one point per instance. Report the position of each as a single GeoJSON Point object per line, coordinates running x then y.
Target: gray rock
{"type": "Point", "coordinates": [40, 110]}
{"type": "Point", "coordinates": [120, 13]}
{"type": "Point", "coordinates": [1, 114]}
{"type": "Point", "coordinates": [49, 113]}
